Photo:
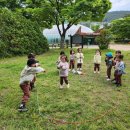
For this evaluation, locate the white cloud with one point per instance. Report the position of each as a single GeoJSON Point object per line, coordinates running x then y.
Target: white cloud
{"type": "Point", "coordinates": [120, 5]}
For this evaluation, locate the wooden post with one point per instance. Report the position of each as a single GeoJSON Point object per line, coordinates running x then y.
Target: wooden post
{"type": "Point", "coordinates": [71, 41]}
{"type": "Point", "coordinates": [82, 43]}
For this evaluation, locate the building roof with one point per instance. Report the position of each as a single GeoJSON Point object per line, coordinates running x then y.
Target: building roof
{"type": "Point", "coordinates": [79, 32]}
{"type": "Point", "coordinates": [73, 29]}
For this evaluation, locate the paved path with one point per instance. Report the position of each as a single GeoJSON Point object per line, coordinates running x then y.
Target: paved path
{"type": "Point", "coordinates": [120, 47]}
{"type": "Point", "coordinates": [112, 46]}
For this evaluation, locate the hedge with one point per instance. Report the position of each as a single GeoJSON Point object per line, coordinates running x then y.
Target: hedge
{"type": "Point", "coordinates": [19, 36]}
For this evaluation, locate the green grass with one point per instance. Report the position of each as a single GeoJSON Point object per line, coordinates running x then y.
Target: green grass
{"type": "Point", "coordinates": [89, 97]}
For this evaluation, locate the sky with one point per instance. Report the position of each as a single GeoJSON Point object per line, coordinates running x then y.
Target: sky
{"type": "Point", "coordinates": [118, 5]}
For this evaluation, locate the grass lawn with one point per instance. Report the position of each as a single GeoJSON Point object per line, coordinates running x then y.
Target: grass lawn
{"type": "Point", "coordinates": [91, 102]}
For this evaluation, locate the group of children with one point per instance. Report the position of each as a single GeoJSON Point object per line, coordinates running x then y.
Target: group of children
{"type": "Point", "coordinates": [64, 67]}
{"type": "Point", "coordinates": [118, 64]}
{"type": "Point", "coordinates": [28, 74]}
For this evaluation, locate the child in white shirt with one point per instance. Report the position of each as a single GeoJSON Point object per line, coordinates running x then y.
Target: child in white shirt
{"type": "Point", "coordinates": [80, 58]}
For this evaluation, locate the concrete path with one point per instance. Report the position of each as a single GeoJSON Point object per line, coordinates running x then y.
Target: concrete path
{"type": "Point", "coordinates": [120, 47]}
{"type": "Point", "coordinates": [111, 46]}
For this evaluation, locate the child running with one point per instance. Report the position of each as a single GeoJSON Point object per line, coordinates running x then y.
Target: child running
{"type": "Point", "coordinates": [109, 64]}
{"type": "Point", "coordinates": [27, 76]}
{"type": "Point", "coordinates": [72, 61]}
{"type": "Point", "coordinates": [63, 67]}
{"type": "Point", "coordinates": [119, 68]}
{"type": "Point", "coordinates": [97, 61]}
{"type": "Point", "coordinates": [80, 58]}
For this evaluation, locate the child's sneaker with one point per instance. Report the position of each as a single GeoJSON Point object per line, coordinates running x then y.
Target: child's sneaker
{"type": "Point", "coordinates": [118, 85]}
{"type": "Point", "coordinates": [73, 71]}
{"type": "Point", "coordinates": [80, 69]}
{"type": "Point", "coordinates": [22, 108]}
{"type": "Point", "coordinates": [94, 72]}
{"type": "Point", "coordinates": [108, 79]}
{"type": "Point", "coordinates": [98, 72]}
{"type": "Point", "coordinates": [61, 87]}
{"type": "Point", "coordinates": [68, 85]}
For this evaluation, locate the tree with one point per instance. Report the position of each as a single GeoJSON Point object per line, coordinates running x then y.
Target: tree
{"type": "Point", "coordinates": [95, 27]}
{"type": "Point", "coordinates": [30, 9]}
{"type": "Point", "coordinates": [19, 35]}
{"type": "Point", "coordinates": [60, 12]}
{"type": "Point", "coordinates": [104, 39]}
{"type": "Point", "coordinates": [74, 11]}
{"type": "Point", "coordinates": [120, 28]}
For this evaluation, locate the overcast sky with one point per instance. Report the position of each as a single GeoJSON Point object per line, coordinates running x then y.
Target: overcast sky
{"type": "Point", "coordinates": [118, 5]}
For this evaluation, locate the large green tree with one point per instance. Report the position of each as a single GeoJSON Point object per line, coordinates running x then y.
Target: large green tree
{"type": "Point", "coordinates": [19, 35]}
{"type": "Point", "coordinates": [121, 28]}
{"type": "Point", "coordinates": [74, 11]}
{"type": "Point", "coordinates": [60, 12]}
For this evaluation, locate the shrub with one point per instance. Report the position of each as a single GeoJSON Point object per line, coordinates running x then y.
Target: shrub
{"type": "Point", "coordinates": [104, 39]}
{"type": "Point", "coordinates": [19, 35]}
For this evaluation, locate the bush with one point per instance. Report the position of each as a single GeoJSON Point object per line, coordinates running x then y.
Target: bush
{"type": "Point", "coordinates": [104, 39]}
{"type": "Point", "coordinates": [19, 35]}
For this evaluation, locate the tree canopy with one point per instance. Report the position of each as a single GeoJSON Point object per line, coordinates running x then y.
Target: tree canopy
{"type": "Point", "coordinates": [19, 35]}
{"type": "Point", "coordinates": [46, 12]}
{"type": "Point", "coordinates": [121, 28]}
{"type": "Point", "coordinates": [74, 11]}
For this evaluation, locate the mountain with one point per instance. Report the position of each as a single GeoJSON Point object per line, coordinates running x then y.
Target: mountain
{"type": "Point", "coordinates": [115, 15]}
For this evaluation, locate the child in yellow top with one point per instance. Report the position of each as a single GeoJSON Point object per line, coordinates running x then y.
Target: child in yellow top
{"type": "Point", "coordinates": [97, 61]}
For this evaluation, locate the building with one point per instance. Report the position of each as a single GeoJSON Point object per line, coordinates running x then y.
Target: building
{"type": "Point", "coordinates": [83, 38]}
{"type": "Point", "coordinates": [53, 36]}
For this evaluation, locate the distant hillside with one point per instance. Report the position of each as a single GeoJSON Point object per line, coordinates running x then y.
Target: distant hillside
{"type": "Point", "coordinates": [115, 15]}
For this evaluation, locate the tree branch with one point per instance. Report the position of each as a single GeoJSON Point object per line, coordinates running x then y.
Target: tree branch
{"type": "Point", "coordinates": [57, 24]}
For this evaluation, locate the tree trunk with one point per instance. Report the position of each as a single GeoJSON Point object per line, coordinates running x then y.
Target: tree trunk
{"type": "Point", "coordinates": [62, 41]}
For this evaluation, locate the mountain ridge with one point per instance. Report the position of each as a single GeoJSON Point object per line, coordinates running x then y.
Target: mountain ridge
{"type": "Point", "coordinates": [110, 16]}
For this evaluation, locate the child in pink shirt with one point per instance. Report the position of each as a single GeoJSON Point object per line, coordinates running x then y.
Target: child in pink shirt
{"type": "Point", "coordinates": [63, 67]}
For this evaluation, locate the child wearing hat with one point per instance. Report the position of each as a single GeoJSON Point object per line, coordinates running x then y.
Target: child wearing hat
{"type": "Point", "coordinates": [109, 64]}
{"type": "Point", "coordinates": [26, 77]}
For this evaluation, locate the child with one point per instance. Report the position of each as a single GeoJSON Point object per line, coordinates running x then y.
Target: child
{"type": "Point", "coordinates": [109, 64]}
{"type": "Point", "coordinates": [117, 53]}
{"type": "Point", "coordinates": [97, 61]}
{"type": "Point", "coordinates": [80, 58]}
{"type": "Point", "coordinates": [32, 56]}
{"type": "Point", "coordinates": [72, 60]}
{"type": "Point", "coordinates": [27, 76]}
{"type": "Point", "coordinates": [119, 68]}
{"type": "Point", "coordinates": [63, 67]}
{"type": "Point", "coordinates": [59, 58]}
